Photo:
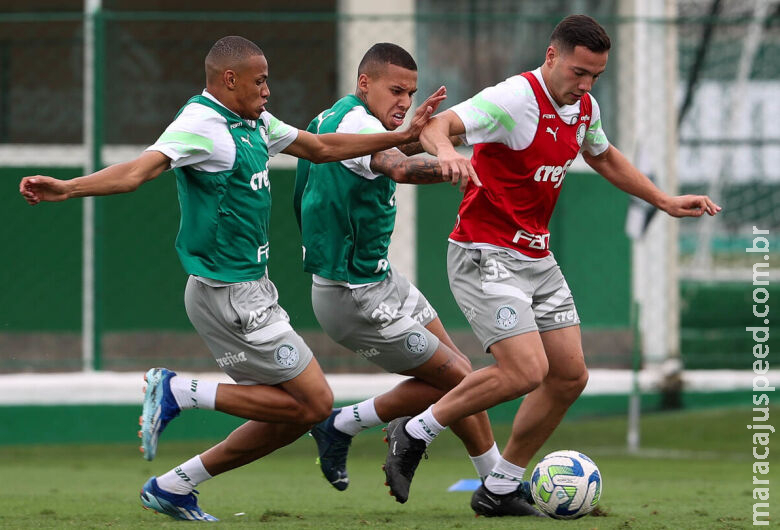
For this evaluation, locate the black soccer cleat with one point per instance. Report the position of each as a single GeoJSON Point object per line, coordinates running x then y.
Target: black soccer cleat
{"type": "Point", "coordinates": [332, 446]}
{"type": "Point", "coordinates": [517, 503]}
{"type": "Point", "coordinates": [403, 455]}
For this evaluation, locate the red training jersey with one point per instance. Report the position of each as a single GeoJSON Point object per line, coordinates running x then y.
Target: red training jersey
{"type": "Point", "coordinates": [519, 189]}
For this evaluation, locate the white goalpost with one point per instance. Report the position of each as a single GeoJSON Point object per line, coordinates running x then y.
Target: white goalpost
{"type": "Point", "coordinates": [647, 126]}
{"type": "Point", "coordinates": [88, 331]}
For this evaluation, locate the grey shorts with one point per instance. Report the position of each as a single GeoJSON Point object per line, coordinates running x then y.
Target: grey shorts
{"type": "Point", "coordinates": [502, 296]}
{"type": "Point", "coordinates": [247, 331]}
{"type": "Point", "coordinates": [384, 322]}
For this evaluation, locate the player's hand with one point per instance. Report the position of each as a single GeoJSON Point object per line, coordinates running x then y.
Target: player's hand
{"type": "Point", "coordinates": [42, 188]}
{"type": "Point", "coordinates": [424, 112]}
{"type": "Point", "coordinates": [691, 206]}
{"type": "Point", "coordinates": [457, 169]}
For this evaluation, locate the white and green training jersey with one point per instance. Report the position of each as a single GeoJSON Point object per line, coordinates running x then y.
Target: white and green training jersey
{"type": "Point", "coordinates": [345, 210]}
{"type": "Point", "coordinates": [508, 113]}
{"type": "Point", "coordinates": [221, 166]}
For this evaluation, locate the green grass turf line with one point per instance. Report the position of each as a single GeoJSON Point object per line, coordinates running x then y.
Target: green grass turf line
{"type": "Point", "coordinates": [694, 472]}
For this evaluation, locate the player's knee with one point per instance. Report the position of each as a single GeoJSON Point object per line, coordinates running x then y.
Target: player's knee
{"type": "Point", "coordinates": [461, 367]}
{"type": "Point", "coordinates": [526, 377]}
{"type": "Point", "coordinates": [577, 386]}
{"type": "Point", "coordinates": [570, 388]}
{"type": "Point", "coordinates": [517, 383]}
{"type": "Point", "coordinates": [319, 407]}
{"type": "Point", "coordinates": [465, 363]}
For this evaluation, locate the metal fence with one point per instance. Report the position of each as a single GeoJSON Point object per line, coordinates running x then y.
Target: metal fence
{"type": "Point", "coordinates": [142, 65]}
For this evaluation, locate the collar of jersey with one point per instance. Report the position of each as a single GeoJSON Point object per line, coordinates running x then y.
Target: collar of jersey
{"type": "Point", "coordinates": [207, 94]}
{"type": "Point", "coordinates": [538, 75]}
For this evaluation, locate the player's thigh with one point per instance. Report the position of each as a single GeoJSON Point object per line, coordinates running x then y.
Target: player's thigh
{"type": "Point", "coordinates": [563, 347]}
{"type": "Point", "coordinates": [247, 331]}
{"type": "Point", "coordinates": [436, 327]}
{"type": "Point", "coordinates": [310, 386]}
{"type": "Point", "coordinates": [444, 370]}
{"type": "Point", "coordinates": [553, 305]}
{"type": "Point", "coordinates": [383, 322]}
{"type": "Point", "coordinates": [521, 355]}
{"type": "Point", "coordinates": [493, 292]}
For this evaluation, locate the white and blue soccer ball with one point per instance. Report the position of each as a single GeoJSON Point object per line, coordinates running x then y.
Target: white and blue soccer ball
{"type": "Point", "coordinates": [566, 485]}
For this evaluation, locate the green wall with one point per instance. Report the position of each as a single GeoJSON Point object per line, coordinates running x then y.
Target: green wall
{"type": "Point", "coordinates": [142, 282]}
{"type": "Point", "coordinates": [139, 275]}
{"type": "Point", "coordinates": [41, 258]}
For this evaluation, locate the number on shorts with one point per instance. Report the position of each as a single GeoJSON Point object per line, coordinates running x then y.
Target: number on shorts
{"type": "Point", "coordinates": [495, 270]}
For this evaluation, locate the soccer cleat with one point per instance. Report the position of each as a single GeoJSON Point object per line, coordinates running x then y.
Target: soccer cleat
{"type": "Point", "coordinates": [332, 446]}
{"type": "Point", "coordinates": [159, 408]}
{"type": "Point", "coordinates": [403, 455]}
{"type": "Point", "coordinates": [183, 507]}
{"type": "Point", "coordinates": [519, 502]}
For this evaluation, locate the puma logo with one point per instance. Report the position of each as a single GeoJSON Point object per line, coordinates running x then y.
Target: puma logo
{"type": "Point", "coordinates": [321, 118]}
{"type": "Point", "coordinates": [554, 133]}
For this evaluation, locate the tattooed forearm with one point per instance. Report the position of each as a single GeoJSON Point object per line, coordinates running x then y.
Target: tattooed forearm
{"type": "Point", "coordinates": [422, 170]}
{"type": "Point", "coordinates": [412, 148]}
{"type": "Point", "coordinates": [416, 170]}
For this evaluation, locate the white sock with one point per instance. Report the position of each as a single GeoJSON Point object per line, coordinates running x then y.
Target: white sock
{"type": "Point", "coordinates": [353, 419]}
{"type": "Point", "coordinates": [424, 426]}
{"type": "Point", "coordinates": [485, 462]}
{"type": "Point", "coordinates": [193, 393]}
{"type": "Point", "coordinates": [182, 479]}
{"type": "Point", "coordinates": [504, 478]}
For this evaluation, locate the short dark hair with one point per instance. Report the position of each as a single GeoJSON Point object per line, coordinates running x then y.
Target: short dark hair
{"type": "Point", "coordinates": [385, 53]}
{"type": "Point", "coordinates": [230, 51]}
{"type": "Point", "coordinates": [580, 30]}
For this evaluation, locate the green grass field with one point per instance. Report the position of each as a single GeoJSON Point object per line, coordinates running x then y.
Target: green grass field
{"type": "Point", "coordinates": [695, 471]}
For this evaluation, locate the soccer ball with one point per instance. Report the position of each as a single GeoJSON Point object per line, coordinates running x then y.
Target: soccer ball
{"type": "Point", "coordinates": [566, 485]}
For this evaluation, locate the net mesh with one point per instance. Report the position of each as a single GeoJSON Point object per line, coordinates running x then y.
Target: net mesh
{"type": "Point", "coordinates": [151, 62]}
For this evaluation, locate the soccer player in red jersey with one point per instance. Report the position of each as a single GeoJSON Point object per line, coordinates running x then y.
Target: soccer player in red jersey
{"type": "Point", "coordinates": [526, 131]}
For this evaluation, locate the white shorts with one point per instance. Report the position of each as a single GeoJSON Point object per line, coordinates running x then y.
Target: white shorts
{"type": "Point", "coordinates": [502, 296]}
{"type": "Point", "coordinates": [247, 331]}
{"type": "Point", "coordinates": [383, 322]}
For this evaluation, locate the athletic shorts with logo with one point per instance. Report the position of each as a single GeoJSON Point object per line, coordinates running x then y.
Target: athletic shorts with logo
{"type": "Point", "coordinates": [384, 322]}
{"type": "Point", "coordinates": [502, 296]}
{"type": "Point", "coordinates": [247, 331]}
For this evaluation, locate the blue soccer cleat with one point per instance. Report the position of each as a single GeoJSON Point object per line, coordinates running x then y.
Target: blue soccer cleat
{"type": "Point", "coordinates": [183, 507]}
{"type": "Point", "coordinates": [332, 446]}
{"type": "Point", "coordinates": [159, 408]}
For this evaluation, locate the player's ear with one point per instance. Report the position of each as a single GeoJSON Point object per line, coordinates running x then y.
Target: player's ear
{"type": "Point", "coordinates": [550, 55]}
{"type": "Point", "coordinates": [363, 82]}
{"type": "Point", "coordinates": [229, 77]}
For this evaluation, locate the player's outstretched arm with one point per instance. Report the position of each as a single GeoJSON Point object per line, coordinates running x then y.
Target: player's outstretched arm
{"type": "Point", "coordinates": [407, 170]}
{"type": "Point", "coordinates": [616, 168]}
{"type": "Point", "coordinates": [415, 148]}
{"type": "Point", "coordinates": [119, 178]}
{"type": "Point", "coordinates": [435, 139]}
{"type": "Point", "coordinates": [332, 147]}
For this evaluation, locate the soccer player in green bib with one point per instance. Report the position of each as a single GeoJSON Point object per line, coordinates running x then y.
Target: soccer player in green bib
{"type": "Point", "coordinates": [218, 146]}
{"type": "Point", "coordinates": [347, 213]}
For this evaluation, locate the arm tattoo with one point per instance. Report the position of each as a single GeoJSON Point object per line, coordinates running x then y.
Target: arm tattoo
{"type": "Point", "coordinates": [418, 170]}
{"type": "Point", "coordinates": [413, 148]}
{"type": "Point", "coordinates": [423, 170]}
